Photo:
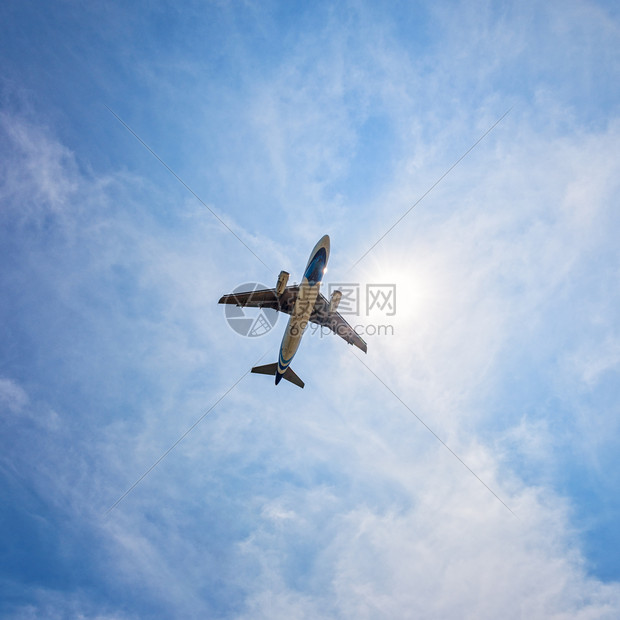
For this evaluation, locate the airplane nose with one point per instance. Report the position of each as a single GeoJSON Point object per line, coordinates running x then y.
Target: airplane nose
{"type": "Point", "coordinates": [323, 243]}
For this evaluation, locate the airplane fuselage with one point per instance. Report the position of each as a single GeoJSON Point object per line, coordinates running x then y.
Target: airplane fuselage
{"type": "Point", "coordinates": [308, 292]}
{"type": "Point", "coordinates": [303, 302]}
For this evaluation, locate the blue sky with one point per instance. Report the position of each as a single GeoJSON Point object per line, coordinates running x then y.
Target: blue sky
{"type": "Point", "coordinates": [291, 121]}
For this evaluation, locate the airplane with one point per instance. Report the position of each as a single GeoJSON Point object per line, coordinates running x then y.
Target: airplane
{"type": "Point", "coordinates": [303, 302]}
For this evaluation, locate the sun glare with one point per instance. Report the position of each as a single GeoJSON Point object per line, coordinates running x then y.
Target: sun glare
{"type": "Point", "coordinates": [412, 288]}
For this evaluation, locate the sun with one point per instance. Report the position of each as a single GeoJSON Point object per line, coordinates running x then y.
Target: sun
{"type": "Point", "coordinates": [404, 280]}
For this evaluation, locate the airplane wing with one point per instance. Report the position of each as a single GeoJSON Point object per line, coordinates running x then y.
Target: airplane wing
{"type": "Point", "coordinates": [264, 298]}
{"type": "Point", "coordinates": [268, 298]}
{"type": "Point", "coordinates": [334, 321]}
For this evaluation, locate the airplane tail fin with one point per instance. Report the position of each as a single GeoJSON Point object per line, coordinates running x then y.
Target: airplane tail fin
{"type": "Point", "coordinates": [272, 369]}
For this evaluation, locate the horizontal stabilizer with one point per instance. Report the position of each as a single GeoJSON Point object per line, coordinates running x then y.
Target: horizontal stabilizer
{"type": "Point", "coordinates": [289, 375]}
{"type": "Point", "coordinates": [267, 369]}
{"type": "Point", "coordinates": [272, 369]}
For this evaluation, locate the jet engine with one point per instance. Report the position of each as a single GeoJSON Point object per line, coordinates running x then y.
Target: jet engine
{"type": "Point", "coordinates": [334, 301]}
{"type": "Point", "coordinates": [281, 283]}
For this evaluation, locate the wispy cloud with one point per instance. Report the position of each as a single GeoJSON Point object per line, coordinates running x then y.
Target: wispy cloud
{"type": "Point", "coordinates": [12, 395]}
{"type": "Point", "coordinates": [332, 501]}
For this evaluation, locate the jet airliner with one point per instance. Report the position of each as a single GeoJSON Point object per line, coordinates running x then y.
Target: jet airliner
{"type": "Point", "coordinates": [304, 303]}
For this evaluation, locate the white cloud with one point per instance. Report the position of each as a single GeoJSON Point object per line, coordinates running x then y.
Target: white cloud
{"type": "Point", "coordinates": [331, 502]}
{"type": "Point", "coordinates": [12, 395]}
{"type": "Point", "coordinates": [455, 553]}
{"type": "Point", "coordinates": [38, 172]}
